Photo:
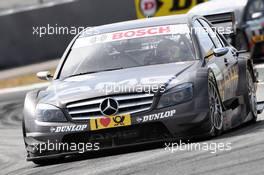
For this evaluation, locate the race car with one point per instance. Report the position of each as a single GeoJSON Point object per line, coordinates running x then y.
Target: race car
{"type": "Point", "coordinates": [249, 17]}
{"type": "Point", "coordinates": [137, 82]}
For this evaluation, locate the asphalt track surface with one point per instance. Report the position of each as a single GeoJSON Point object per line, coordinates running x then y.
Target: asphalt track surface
{"type": "Point", "coordinates": [245, 157]}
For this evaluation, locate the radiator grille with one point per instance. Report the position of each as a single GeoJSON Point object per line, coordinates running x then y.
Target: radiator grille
{"type": "Point", "coordinates": [128, 104]}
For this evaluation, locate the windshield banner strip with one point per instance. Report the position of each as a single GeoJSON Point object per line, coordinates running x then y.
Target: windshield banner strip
{"type": "Point", "coordinates": [131, 34]}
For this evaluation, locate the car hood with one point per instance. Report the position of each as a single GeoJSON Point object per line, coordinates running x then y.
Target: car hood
{"type": "Point", "coordinates": [61, 92]}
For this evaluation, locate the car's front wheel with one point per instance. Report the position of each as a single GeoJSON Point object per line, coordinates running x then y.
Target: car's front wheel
{"type": "Point", "coordinates": [216, 110]}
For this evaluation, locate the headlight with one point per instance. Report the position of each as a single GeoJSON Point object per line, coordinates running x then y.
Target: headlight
{"type": "Point", "coordinates": [179, 94]}
{"type": "Point", "coordinates": [49, 113]}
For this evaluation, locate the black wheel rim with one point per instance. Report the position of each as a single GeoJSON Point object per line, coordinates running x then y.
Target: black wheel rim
{"type": "Point", "coordinates": [216, 111]}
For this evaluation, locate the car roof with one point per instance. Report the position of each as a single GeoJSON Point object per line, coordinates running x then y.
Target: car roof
{"type": "Point", "coordinates": [141, 23]}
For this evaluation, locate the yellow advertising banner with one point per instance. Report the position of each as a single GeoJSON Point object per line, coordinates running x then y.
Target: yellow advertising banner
{"type": "Point", "coordinates": [150, 8]}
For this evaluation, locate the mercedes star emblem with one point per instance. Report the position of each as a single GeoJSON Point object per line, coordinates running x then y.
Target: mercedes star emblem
{"type": "Point", "coordinates": [109, 107]}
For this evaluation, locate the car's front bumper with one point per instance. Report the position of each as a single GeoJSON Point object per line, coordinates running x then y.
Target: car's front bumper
{"type": "Point", "coordinates": [190, 120]}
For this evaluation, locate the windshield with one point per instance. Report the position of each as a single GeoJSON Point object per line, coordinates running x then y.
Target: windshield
{"type": "Point", "coordinates": [127, 49]}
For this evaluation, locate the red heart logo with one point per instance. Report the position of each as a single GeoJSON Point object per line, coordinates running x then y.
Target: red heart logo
{"type": "Point", "coordinates": [105, 121]}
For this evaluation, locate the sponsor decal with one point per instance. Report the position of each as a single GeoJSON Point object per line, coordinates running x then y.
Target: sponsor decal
{"type": "Point", "coordinates": [70, 128]}
{"type": "Point", "coordinates": [139, 119]}
{"type": "Point", "coordinates": [130, 34]}
{"type": "Point", "coordinates": [158, 116]}
{"type": "Point", "coordinates": [110, 122]}
{"type": "Point", "coordinates": [150, 8]}
{"type": "Point", "coordinates": [141, 32]}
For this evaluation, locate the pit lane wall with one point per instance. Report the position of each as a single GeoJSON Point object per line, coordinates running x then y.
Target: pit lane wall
{"type": "Point", "coordinates": [43, 34]}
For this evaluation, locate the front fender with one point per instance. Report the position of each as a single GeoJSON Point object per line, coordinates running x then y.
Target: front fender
{"type": "Point", "coordinates": [243, 65]}
{"type": "Point", "coordinates": [201, 88]}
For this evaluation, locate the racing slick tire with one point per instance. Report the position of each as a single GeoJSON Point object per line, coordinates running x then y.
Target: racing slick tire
{"type": "Point", "coordinates": [250, 97]}
{"type": "Point", "coordinates": [216, 118]}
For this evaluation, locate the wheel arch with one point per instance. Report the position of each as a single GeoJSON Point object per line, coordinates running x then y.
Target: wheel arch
{"type": "Point", "coordinates": [205, 73]}
{"type": "Point", "coordinates": [243, 65]}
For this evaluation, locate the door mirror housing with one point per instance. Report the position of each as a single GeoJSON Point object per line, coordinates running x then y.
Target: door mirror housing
{"type": "Point", "coordinates": [256, 15]}
{"type": "Point", "coordinates": [220, 51]}
{"type": "Point", "coordinates": [44, 75]}
{"type": "Point", "coordinates": [257, 53]}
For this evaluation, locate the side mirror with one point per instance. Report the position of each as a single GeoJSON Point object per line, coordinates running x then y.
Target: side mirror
{"type": "Point", "coordinates": [44, 75]}
{"type": "Point", "coordinates": [220, 51]}
{"type": "Point", "coordinates": [257, 53]}
{"type": "Point", "coordinates": [256, 15]}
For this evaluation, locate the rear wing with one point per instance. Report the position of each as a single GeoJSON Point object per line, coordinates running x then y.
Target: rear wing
{"type": "Point", "coordinates": [224, 22]}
